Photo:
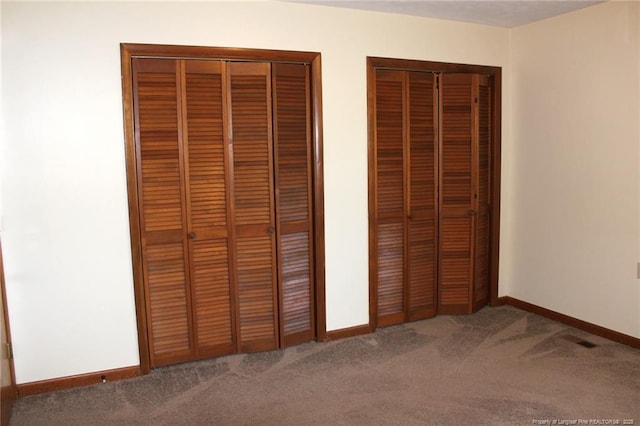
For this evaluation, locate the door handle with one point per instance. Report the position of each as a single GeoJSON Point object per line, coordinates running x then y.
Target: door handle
{"type": "Point", "coordinates": [191, 235]}
{"type": "Point", "coordinates": [471, 212]}
{"type": "Point", "coordinates": [271, 229]}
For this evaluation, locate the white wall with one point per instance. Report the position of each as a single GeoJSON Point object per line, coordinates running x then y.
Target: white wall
{"type": "Point", "coordinates": [574, 237]}
{"type": "Point", "coordinates": [67, 249]}
{"type": "Point", "coordinates": [4, 378]}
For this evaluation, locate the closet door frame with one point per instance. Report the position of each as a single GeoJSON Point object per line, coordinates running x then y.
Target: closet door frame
{"type": "Point", "coordinates": [129, 51]}
{"type": "Point", "coordinates": [495, 76]}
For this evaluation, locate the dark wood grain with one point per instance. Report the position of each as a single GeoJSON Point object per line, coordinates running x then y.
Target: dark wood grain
{"type": "Point", "coordinates": [495, 173]}
{"type": "Point", "coordinates": [404, 196]}
{"type": "Point", "coordinates": [472, 203]}
{"type": "Point", "coordinates": [318, 197]}
{"type": "Point", "coordinates": [223, 53]}
{"type": "Point", "coordinates": [456, 204]}
{"type": "Point", "coordinates": [254, 215]}
{"type": "Point", "coordinates": [294, 202]}
{"type": "Point", "coordinates": [390, 195]}
{"type": "Point", "coordinates": [134, 208]}
{"type": "Point", "coordinates": [203, 233]}
{"type": "Point", "coordinates": [204, 138]}
{"type": "Point", "coordinates": [162, 209]}
{"type": "Point", "coordinates": [482, 190]}
{"type": "Point", "coordinates": [422, 177]}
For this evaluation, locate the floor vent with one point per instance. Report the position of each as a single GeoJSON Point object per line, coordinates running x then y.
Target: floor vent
{"type": "Point", "coordinates": [584, 343]}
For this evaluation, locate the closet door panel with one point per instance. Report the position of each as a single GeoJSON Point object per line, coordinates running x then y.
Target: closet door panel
{"type": "Point", "coordinates": [204, 140]}
{"type": "Point", "coordinates": [162, 209]}
{"type": "Point", "coordinates": [421, 232]}
{"type": "Point", "coordinates": [292, 149]}
{"type": "Point", "coordinates": [169, 333]}
{"type": "Point", "coordinates": [389, 191]}
{"type": "Point", "coordinates": [455, 259]}
{"type": "Point", "coordinates": [390, 273]}
{"type": "Point", "coordinates": [256, 267]}
{"type": "Point", "coordinates": [456, 194]}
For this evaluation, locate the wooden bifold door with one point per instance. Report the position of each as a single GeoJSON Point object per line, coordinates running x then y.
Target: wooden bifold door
{"type": "Point", "coordinates": [430, 191]}
{"type": "Point", "coordinates": [405, 202]}
{"type": "Point", "coordinates": [224, 189]}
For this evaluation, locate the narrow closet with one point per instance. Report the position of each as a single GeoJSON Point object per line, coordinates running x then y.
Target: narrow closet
{"type": "Point", "coordinates": [430, 180]}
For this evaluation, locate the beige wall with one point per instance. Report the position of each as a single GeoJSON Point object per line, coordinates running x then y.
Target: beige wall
{"type": "Point", "coordinates": [67, 251]}
{"type": "Point", "coordinates": [575, 146]}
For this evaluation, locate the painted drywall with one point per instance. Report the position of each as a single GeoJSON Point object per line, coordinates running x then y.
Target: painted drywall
{"type": "Point", "coordinates": [574, 233]}
{"type": "Point", "coordinates": [68, 258]}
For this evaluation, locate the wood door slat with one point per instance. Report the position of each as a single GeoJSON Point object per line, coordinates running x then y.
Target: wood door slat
{"type": "Point", "coordinates": [389, 144]}
{"type": "Point", "coordinates": [206, 159]}
{"type": "Point", "coordinates": [162, 212]}
{"type": "Point", "coordinates": [405, 183]}
{"type": "Point", "coordinates": [157, 119]}
{"type": "Point", "coordinates": [483, 217]}
{"type": "Point", "coordinates": [296, 283]}
{"type": "Point", "coordinates": [457, 193]}
{"type": "Point", "coordinates": [421, 229]}
{"type": "Point", "coordinates": [389, 190]}
{"type": "Point", "coordinates": [212, 298]}
{"type": "Point", "coordinates": [390, 270]}
{"type": "Point", "coordinates": [293, 163]}
{"type": "Point", "coordinates": [256, 263]}
{"type": "Point", "coordinates": [167, 292]}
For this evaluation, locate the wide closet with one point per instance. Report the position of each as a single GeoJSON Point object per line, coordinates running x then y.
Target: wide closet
{"type": "Point", "coordinates": [224, 188]}
{"type": "Point", "coordinates": [430, 190]}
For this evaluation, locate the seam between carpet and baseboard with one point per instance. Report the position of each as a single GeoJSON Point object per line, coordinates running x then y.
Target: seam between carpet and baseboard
{"type": "Point", "coordinates": [32, 388]}
{"type": "Point", "coordinates": [607, 333]}
{"type": "Point", "coordinates": [343, 333]}
{"type": "Point", "coordinates": [49, 385]}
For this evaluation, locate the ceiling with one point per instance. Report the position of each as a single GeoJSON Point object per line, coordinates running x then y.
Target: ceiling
{"type": "Point", "coordinates": [500, 13]}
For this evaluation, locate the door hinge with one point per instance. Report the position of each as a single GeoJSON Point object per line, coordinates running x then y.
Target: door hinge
{"type": "Point", "coordinates": [9, 351]}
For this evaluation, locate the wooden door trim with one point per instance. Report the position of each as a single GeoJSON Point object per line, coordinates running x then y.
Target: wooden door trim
{"type": "Point", "coordinates": [495, 74]}
{"type": "Point", "coordinates": [318, 197]}
{"type": "Point", "coordinates": [134, 211]}
{"type": "Point", "coordinates": [372, 184]}
{"type": "Point", "coordinates": [128, 51]}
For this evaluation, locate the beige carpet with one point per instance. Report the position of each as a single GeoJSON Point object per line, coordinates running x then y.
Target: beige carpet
{"type": "Point", "coordinates": [498, 366]}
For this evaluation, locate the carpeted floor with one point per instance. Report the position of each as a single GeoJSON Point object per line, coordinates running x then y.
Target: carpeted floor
{"type": "Point", "coordinates": [500, 366]}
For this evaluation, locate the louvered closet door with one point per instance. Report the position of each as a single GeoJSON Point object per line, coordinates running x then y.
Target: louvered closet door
{"type": "Point", "coordinates": [163, 216]}
{"type": "Point", "coordinates": [291, 111]}
{"type": "Point", "coordinates": [457, 206]}
{"type": "Point", "coordinates": [254, 210]}
{"type": "Point", "coordinates": [421, 193]}
{"type": "Point", "coordinates": [209, 234]}
{"type": "Point", "coordinates": [483, 202]}
{"type": "Point", "coordinates": [390, 215]}
{"type": "Point", "coordinates": [406, 172]}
